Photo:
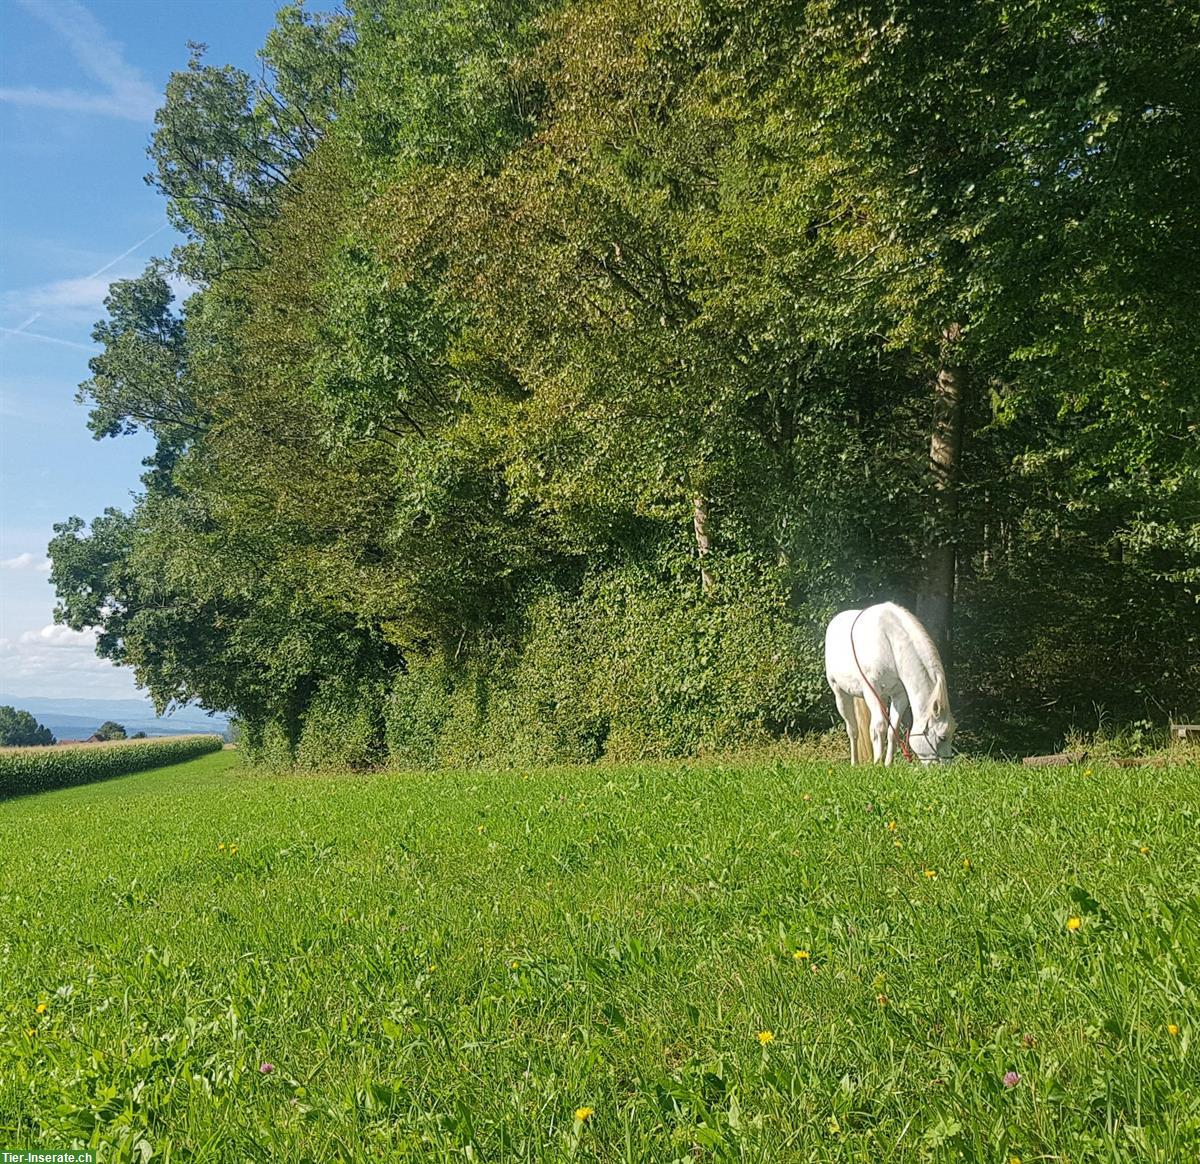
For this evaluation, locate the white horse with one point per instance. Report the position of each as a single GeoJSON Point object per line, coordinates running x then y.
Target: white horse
{"type": "Point", "coordinates": [882, 654]}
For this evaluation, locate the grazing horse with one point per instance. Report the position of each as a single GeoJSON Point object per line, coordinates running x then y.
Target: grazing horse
{"type": "Point", "coordinates": [882, 654]}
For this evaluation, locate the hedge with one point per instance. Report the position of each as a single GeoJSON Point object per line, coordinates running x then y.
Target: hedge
{"type": "Point", "coordinates": [26, 770]}
{"type": "Point", "coordinates": [635, 666]}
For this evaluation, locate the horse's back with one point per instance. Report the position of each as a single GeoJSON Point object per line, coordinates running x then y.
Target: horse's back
{"type": "Point", "coordinates": [863, 639]}
{"type": "Point", "coordinates": [839, 665]}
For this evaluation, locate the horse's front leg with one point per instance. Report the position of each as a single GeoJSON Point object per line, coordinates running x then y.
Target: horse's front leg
{"type": "Point", "coordinates": [896, 721]}
{"type": "Point", "coordinates": [880, 736]}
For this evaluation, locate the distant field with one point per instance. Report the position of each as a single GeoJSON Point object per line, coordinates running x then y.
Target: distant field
{"type": "Point", "coordinates": [660, 963]}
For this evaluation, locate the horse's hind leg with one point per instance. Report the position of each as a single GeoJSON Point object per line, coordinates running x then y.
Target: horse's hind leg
{"type": "Point", "coordinates": [845, 706]}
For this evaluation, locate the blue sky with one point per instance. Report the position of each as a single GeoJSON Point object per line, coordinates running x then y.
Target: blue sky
{"type": "Point", "coordinates": [79, 84]}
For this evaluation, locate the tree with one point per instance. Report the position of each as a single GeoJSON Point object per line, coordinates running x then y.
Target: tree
{"type": "Point", "coordinates": [226, 146]}
{"type": "Point", "coordinates": [109, 730]}
{"type": "Point", "coordinates": [508, 308]}
{"type": "Point", "coordinates": [18, 729]}
{"type": "Point", "coordinates": [140, 380]}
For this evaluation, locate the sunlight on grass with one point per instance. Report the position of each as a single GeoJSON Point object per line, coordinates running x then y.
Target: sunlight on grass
{"type": "Point", "coordinates": [667, 962]}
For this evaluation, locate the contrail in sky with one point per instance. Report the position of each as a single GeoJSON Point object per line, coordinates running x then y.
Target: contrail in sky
{"type": "Point", "coordinates": [125, 254]}
{"type": "Point", "coordinates": [5, 332]}
{"type": "Point", "coordinates": [20, 328]}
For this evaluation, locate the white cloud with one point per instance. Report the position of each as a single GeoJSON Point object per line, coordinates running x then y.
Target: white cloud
{"type": "Point", "coordinates": [58, 636]}
{"type": "Point", "coordinates": [84, 294]}
{"type": "Point", "coordinates": [56, 660]}
{"type": "Point", "coordinates": [126, 92]}
{"type": "Point", "coordinates": [87, 291]}
{"type": "Point", "coordinates": [72, 101]}
{"type": "Point", "coordinates": [26, 561]}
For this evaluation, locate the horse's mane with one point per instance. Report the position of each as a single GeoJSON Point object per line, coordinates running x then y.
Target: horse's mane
{"type": "Point", "coordinates": [927, 651]}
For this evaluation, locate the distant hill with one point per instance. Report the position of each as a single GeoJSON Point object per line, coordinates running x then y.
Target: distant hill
{"type": "Point", "coordinates": [76, 719]}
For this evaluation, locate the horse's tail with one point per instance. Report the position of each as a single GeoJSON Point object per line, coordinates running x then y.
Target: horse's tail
{"type": "Point", "coordinates": [862, 719]}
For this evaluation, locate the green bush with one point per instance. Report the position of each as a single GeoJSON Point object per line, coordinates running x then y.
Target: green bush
{"type": "Point", "coordinates": [267, 745]}
{"type": "Point", "coordinates": [416, 710]}
{"type": "Point", "coordinates": [638, 664]}
{"type": "Point", "coordinates": [23, 772]}
{"type": "Point", "coordinates": [343, 726]}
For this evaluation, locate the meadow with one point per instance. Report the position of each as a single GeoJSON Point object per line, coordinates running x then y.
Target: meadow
{"type": "Point", "coordinates": [753, 961]}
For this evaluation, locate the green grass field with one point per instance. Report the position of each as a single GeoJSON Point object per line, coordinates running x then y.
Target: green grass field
{"type": "Point", "coordinates": [760, 962]}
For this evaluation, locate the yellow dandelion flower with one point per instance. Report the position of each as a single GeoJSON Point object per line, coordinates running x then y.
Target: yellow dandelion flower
{"type": "Point", "coordinates": [1087, 771]}
{"type": "Point", "coordinates": [584, 1113]}
{"type": "Point", "coordinates": [1144, 850]}
{"type": "Point", "coordinates": [233, 848]}
{"type": "Point", "coordinates": [30, 1032]}
{"type": "Point", "coordinates": [931, 874]}
{"type": "Point", "coordinates": [800, 955]}
{"type": "Point", "coordinates": [765, 1037]}
{"type": "Point", "coordinates": [808, 796]}
{"type": "Point", "coordinates": [515, 965]}
{"type": "Point", "coordinates": [1172, 1029]}
{"type": "Point", "coordinates": [479, 828]}
{"type": "Point", "coordinates": [40, 1008]}
{"type": "Point", "coordinates": [966, 862]}
{"type": "Point", "coordinates": [897, 845]}
{"type": "Point", "coordinates": [221, 847]}
{"type": "Point", "coordinates": [891, 826]}
{"type": "Point", "coordinates": [1073, 923]}
{"type": "Point", "coordinates": [1014, 1160]}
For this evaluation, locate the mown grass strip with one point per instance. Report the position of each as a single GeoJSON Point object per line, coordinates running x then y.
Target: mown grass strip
{"type": "Point", "coordinates": [27, 770]}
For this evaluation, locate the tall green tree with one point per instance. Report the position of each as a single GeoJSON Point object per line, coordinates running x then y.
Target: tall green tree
{"type": "Point", "coordinates": [519, 322]}
{"type": "Point", "coordinates": [226, 145]}
{"type": "Point", "coordinates": [18, 729]}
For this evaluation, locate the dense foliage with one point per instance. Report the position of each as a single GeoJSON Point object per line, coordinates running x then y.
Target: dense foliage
{"type": "Point", "coordinates": [18, 729]}
{"type": "Point", "coordinates": [555, 370]}
{"type": "Point", "coordinates": [23, 772]}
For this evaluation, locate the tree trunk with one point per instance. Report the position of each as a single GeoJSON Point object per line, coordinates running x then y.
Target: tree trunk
{"type": "Point", "coordinates": [935, 601]}
{"type": "Point", "coordinates": [700, 524]}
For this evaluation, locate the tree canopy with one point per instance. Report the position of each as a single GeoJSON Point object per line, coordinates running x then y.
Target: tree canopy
{"type": "Point", "coordinates": [18, 729]}
{"type": "Point", "coordinates": [554, 372]}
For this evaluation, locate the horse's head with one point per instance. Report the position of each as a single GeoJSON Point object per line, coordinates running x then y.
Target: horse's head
{"type": "Point", "coordinates": [932, 741]}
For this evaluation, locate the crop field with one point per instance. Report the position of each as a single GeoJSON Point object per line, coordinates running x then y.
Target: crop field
{"type": "Point", "coordinates": [753, 961]}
